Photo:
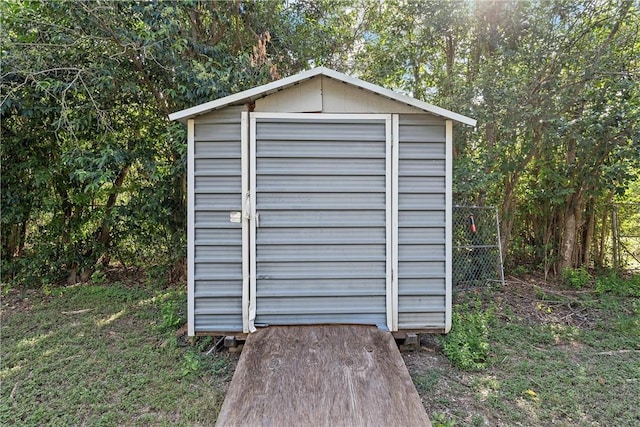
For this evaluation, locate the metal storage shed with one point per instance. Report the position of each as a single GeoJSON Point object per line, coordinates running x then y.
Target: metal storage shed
{"type": "Point", "coordinates": [316, 199]}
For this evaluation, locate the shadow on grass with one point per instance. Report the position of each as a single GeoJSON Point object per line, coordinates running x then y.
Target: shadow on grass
{"type": "Point", "coordinates": [89, 355]}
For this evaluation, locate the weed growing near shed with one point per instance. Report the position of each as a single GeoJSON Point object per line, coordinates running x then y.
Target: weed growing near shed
{"type": "Point", "coordinates": [103, 355]}
{"type": "Point", "coordinates": [467, 345]}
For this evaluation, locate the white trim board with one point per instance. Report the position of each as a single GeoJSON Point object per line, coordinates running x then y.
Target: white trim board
{"type": "Point", "coordinates": [323, 116]}
{"type": "Point", "coordinates": [246, 215]}
{"type": "Point", "coordinates": [253, 225]}
{"type": "Point", "coordinates": [253, 94]}
{"type": "Point", "coordinates": [191, 227]}
{"type": "Point", "coordinates": [389, 221]}
{"type": "Point", "coordinates": [448, 222]}
{"type": "Point", "coordinates": [391, 173]}
{"type": "Point", "coordinates": [395, 157]}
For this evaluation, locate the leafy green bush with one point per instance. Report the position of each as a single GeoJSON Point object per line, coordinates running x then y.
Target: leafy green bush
{"type": "Point", "coordinates": [172, 312]}
{"type": "Point", "coordinates": [467, 344]}
{"type": "Point", "coordinates": [615, 284]}
{"type": "Point", "coordinates": [98, 277]}
{"type": "Point", "coordinates": [576, 278]}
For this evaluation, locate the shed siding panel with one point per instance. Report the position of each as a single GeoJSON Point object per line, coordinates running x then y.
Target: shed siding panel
{"type": "Point", "coordinates": [321, 287]}
{"type": "Point", "coordinates": [421, 222]}
{"type": "Point", "coordinates": [317, 168]}
{"type": "Point", "coordinates": [321, 240]}
{"type": "Point", "coordinates": [305, 97]}
{"type": "Point", "coordinates": [338, 97]}
{"type": "Point", "coordinates": [218, 241]}
{"type": "Point", "coordinates": [422, 320]}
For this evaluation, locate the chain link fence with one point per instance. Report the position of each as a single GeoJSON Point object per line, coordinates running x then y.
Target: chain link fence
{"type": "Point", "coordinates": [625, 233]}
{"type": "Point", "coordinates": [477, 255]}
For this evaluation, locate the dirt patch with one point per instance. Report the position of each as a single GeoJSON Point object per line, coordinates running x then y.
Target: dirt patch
{"type": "Point", "coordinates": [535, 301]}
{"type": "Point", "coordinates": [16, 301]}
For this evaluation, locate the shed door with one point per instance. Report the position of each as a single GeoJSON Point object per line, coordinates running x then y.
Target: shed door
{"type": "Point", "coordinates": [320, 229]}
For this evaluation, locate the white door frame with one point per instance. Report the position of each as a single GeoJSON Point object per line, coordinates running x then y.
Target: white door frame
{"type": "Point", "coordinates": [250, 221]}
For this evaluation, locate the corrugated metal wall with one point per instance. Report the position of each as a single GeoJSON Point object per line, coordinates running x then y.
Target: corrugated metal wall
{"type": "Point", "coordinates": [320, 244]}
{"type": "Point", "coordinates": [421, 222]}
{"type": "Point", "coordinates": [218, 242]}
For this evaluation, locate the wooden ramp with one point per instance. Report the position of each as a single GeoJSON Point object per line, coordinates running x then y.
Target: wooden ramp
{"type": "Point", "coordinates": [326, 375]}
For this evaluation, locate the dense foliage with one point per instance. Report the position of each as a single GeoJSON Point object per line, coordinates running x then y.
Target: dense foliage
{"type": "Point", "coordinates": [93, 171]}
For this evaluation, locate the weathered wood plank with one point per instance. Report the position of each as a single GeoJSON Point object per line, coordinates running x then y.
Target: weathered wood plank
{"type": "Point", "coordinates": [325, 375]}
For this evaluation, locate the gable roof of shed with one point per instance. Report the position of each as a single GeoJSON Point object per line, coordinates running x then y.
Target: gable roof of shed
{"type": "Point", "coordinates": [269, 88]}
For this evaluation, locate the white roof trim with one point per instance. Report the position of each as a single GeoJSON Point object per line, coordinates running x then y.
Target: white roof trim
{"type": "Point", "coordinates": [264, 90]}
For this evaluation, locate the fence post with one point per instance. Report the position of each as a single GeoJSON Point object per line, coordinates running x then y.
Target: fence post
{"type": "Point", "coordinates": [499, 242]}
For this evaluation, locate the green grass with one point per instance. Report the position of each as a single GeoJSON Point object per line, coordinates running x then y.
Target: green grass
{"type": "Point", "coordinates": [103, 355]}
{"type": "Point", "coordinates": [108, 355]}
{"type": "Point", "coordinates": [546, 372]}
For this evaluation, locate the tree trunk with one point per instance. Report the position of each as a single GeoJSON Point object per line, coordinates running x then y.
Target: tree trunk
{"type": "Point", "coordinates": [599, 259]}
{"type": "Point", "coordinates": [547, 248]}
{"type": "Point", "coordinates": [104, 235]}
{"type": "Point", "coordinates": [569, 231]}
{"type": "Point", "coordinates": [568, 240]}
{"type": "Point", "coordinates": [587, 236]}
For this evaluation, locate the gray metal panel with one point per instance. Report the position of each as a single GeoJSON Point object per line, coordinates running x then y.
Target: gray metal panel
{"type": "Point", "coordinates": [217, 289]}
{"type": "Point", "coordinates": [421, 132]}
{"type": "Point", "coordinates": [206, 270]}
{"type": "Point", "coordinates": [308, 130]}
{"type": "Point", "coordinates": [218, 202]}
{"type": "Point", "coordinates": [338, 149]}
{"type": "Point", "coordinates": [306, 218]}
{"type": "Point", "coordinates": [218, 241]}
{"type": "Point", "coordinates": [302, 270]}
{"type": "Point", "coordinates": [418, 235]}
{"type": "Point", "coordinates": [218, 253]}
{"type": "Point", "coordinates": [421, 223]}
{"type": "Point", "coordinates": [219, 236]}
{"type": "Point", "coordinates": [321, 240]}
{"type": "Point", "coordinates": [216, 167]}
{"type": "Point", "coordinates": [321, 184]}
{"type": "Point", "coordinates": [433, 151]}
{"type": "Point", "coordinates": [421, 320]}
{"type": "Point", "coordinates": [320, 236]}
{"type": "Point", "coordinates": [420, 201]}
{"type": "Point", "coordinates": [419, 269]}
{"type": "Point", "coordinates": [420, 167]}
{"type": "Point", "coordinates": [218, 184]}
{"type": "Point", "coordinates": [321, 318]}
{"type": "Point", "coordinates": [213, 219]}
{"type": "Point", "coordinates": [217, 132]}
{"type": "Point", "coordinates": [225, 322]}
{"type": "Point", "coordinates": [218, 305]}
{"type": "Point", "coordinates": [421, 184]}
{"type": "Point", "coordinates": [321, 287]}
{"type": "Point", "coordinates": [421, 303]}
{"type": "Point", "coordinates": [317, 167]}
{"type": "Point", "coordinates": [422, 286]}
{"type": "Point", "coordinates": [224, 149]}
{"type": "Point", "coordinates": [409, 252]}
{"type": "Point", "coordinates": [424, 218]}
{"type": "Point", "coordinates": [319, 201]}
